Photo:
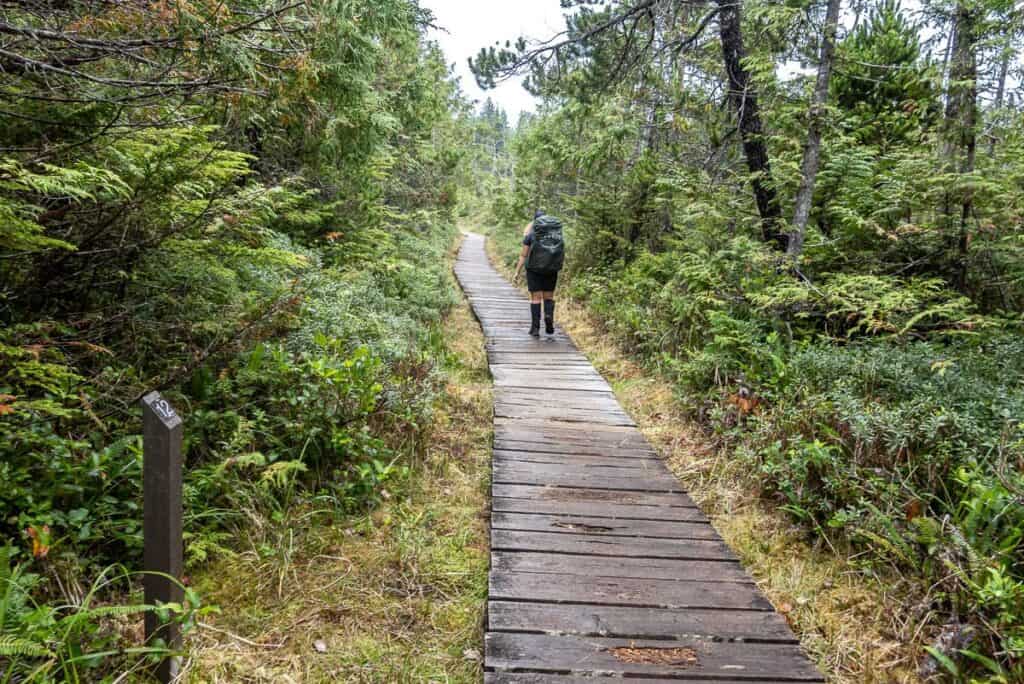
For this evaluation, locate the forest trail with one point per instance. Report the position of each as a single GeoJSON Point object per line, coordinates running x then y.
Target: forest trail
{"type": "Point", "coordinates": [600, 562]}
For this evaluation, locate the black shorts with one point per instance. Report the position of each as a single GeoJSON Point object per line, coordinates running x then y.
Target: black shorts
{"type": "Point", "coordinates": [541, 282]}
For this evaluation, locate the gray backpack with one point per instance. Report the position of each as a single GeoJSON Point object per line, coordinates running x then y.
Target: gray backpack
{"type": "Point", "coordinates": [547, 254]}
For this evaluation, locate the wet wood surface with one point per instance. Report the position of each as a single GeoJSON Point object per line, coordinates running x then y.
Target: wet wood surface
{"type": "Point", "coordinates": [601, 565]}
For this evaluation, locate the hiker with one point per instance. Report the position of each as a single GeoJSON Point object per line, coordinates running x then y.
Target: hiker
{"type": "Point", "coordinates": [543, 254]}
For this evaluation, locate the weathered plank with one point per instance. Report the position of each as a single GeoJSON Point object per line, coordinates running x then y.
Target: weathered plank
{"type": "Point", "coordinates": [613, 591]}
{"type": "Point", "coordinates": [640, 462]}
{"type": "Point", "coordinates": [579, 477]}
{"type": "Point", "coordinates": [597, 509]}
{"type": "Point", "coordinates": [583, 494]}
{"type": "Point", "coordinates": [592, 435]}
{"type": "Point", "coordinates": [547, 678]}
{"type": "Point", "coordinates": [653, 470]}
{"type": "Point", "coordinates": [694, 658]}
{"type": "Point", "coordinates": [593, 545]}
{"type": "Point", "coordinates": [617, 566]}
{"type": "Point", "coordinates": [627, 622]}
{"type": "Point", "coordinates": [541, 446]}
{"type": "Point", "coordinates": [602, 527]}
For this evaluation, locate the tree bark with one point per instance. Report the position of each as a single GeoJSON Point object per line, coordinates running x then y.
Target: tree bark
{"type": "Point", "coordinates": [1004, 70]}
{"type": "Point", "coordinates": [744, 102]}
{"type": "Point", "coordinates": [961, 123]}
{"type": "Point", "coordinates": [812, 150]}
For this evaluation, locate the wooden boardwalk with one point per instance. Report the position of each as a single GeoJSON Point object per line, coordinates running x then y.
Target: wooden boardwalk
{"type": "Point", "coordinates": [601, 565]}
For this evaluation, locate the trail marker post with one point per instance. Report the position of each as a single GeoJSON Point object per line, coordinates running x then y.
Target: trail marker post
{"type": "Point", "coordinates": [162, 522]}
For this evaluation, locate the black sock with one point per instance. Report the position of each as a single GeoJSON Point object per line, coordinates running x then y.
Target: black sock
{"type": "Point", "coordinates": [535, 315]}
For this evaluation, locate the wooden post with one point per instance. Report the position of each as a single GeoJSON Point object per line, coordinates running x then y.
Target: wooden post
{"type": "Point", "coordinates": [162, 515]}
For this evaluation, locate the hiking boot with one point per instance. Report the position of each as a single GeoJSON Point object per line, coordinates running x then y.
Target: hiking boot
{"type": "Point", "coordinates": [549, 325]}
{"type": "Point", "coordinates": [535, 319]}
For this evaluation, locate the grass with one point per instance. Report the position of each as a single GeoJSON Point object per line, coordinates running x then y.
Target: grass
{"type": "Point", "coordinates": [853, 622]}
{"type": "Point", "coordinates": [396, 595]}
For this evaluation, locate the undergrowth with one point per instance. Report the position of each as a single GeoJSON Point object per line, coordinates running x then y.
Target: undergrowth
{"type": "Point", "coordinates": [392, 595]}
{"type": "Point", "coordinates": [325, 405]}
{"type": "Point", "coordinates": [896, 458]}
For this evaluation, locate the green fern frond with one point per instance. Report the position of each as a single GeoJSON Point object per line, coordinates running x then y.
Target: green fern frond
{"type": "Point", "coordinates": [16, 647]}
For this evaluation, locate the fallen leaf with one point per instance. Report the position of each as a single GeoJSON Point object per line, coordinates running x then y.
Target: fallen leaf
{"type": "Point", "coordinates": [913, 509]}
{"type": "Point", "coordinates": [471, 654]}
{"type": "Point", "coordinates": [320, 645]}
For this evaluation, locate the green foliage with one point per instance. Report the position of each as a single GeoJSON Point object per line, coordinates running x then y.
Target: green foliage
{"type": "Point", "coordinates": [73, 642]}
{"type": "Point", "coordinates": [883, 82]}
{"type": "Point", "coordinates": [253, 218]}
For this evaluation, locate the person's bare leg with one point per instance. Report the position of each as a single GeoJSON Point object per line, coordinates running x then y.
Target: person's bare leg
{"type": "Point", "coordinates": [549, 312]}
{"type": "Point", "coordinates": [535, 304]}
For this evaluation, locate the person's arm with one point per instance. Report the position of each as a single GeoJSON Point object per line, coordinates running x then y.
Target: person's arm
{"type": "Point", "coordinates": [523, 253]}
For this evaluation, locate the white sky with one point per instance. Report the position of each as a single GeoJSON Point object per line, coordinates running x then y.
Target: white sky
{"type": "Point", "coordinates": [473, 24]}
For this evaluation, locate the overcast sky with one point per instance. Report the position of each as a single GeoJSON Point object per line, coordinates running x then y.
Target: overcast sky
{"type": "Point", "coordinates": [472, 25]}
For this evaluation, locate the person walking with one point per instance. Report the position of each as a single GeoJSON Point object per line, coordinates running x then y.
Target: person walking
{"type": "Point", "coordinates": [543, 255]}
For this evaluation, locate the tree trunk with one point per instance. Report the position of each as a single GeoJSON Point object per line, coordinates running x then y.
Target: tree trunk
{"type": "Point", "coordinates": [812, 150]}
{"type": "Point", "coordinates": [1004, 70]}
{"type": "Point", "coordinates": [961, 123]}
{"type": "Point", "coordinates": [743, 99]}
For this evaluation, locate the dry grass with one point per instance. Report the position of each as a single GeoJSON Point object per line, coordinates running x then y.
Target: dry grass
{"type": "Point", "coordinates": [394, 596]}
{"type": "Point", "coordinates": [854, 625]}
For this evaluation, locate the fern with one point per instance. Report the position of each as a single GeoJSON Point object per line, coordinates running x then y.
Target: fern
{"type": "Point", "coordinates": [17, 647]}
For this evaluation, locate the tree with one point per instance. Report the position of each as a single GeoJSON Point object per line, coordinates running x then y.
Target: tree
{"type": "Point", "coordinates": [812, 148]}
{"type": "Point", "coordinates": [629, 34]}
{"type": "Point", "coordinates": [743, 98]}
{"type": "Point", "coordinates": [961, 121]}
{"type": "Point", "coordinates": [883, 87]}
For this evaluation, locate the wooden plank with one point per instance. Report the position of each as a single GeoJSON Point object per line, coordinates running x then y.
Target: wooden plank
{"type": "Point", "coordinates": [638, 623]}
{"type": "Point", "coordinates": [638, 462]}
{"type": "Point", "coordinates": [548, 678]}
{"type": "Point", "coordinates": [558, 395]}
{"type": "Point", "coordinates": [710, 660]}
{"type": "Point", "coordinates": [541, 345]}
{"type": "Point", "coordinates": [596, 435]}
{"type": "Point", "coordinates": [542, 446]}
{"type": "Point", "coordinates": [561, 414]}
{"type": "Point", "coordinates": [591, 466]}
{"type": "Point", "coordinates": [534, 474]}
{"type": "Point", "coordinates": [566, 441]}
{"type": "Point", "coordinates": [538, 360]}
{"type": "Point", "coordinates": [592, 545]}
{"type": "Point", "coordinates": [590, 402]}
{"type": "Point", "coordinates": [549, 384]}
{"type": "Point", "coordinates": [597, 509]}
{"type": "Point", "coordinates": [546, 492]}
{"type": "Point", "coordinates": [604, 527]}
{"type": "Point", "coordinates": [611, 591]}
{"type": "Point", "coordinates": [615, 566]}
